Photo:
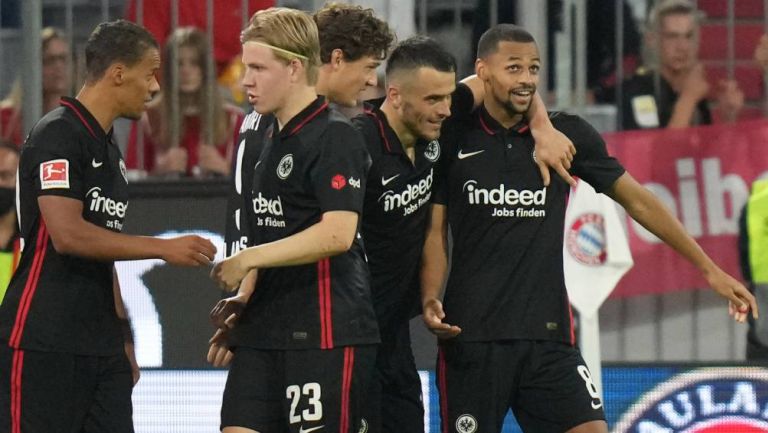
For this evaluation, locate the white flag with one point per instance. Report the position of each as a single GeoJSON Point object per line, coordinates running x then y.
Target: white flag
{"type": "Point", "coordinates": [595, 249]}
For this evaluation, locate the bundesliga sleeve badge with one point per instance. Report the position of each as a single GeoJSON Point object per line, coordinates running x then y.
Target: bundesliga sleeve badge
{"type": "Point", "coordinates": [54, 174]}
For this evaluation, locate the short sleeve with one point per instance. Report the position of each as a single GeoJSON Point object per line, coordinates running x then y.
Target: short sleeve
{"type": "Point", "coordinates": [592, 162]}
{"type": "Point", "coordinates": [339, 174]}
{"type": "Point", "coordinates": [52, 159]}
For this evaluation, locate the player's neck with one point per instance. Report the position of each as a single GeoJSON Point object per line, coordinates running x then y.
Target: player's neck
{"type": "Point", "coordinates": [299, 99]}
{"type": "Point", "coordinates": [100, 103]}
{"type": "Point", "coordinates": [323, 84]}
{"type": "Point", "coordinates": [404, 134]}
{"type": "Point", "coordinates": [501, 114]}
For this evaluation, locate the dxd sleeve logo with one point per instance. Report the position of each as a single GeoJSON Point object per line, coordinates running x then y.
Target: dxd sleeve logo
{"type": "Point", "coordinates": [708, 400]}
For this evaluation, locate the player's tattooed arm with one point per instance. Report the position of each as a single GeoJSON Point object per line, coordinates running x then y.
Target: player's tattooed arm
{"type": "Point", "coordinates": [125, 322]}
{"type": "Point", "coordinates": [648, 210]}
{"type": "Point", "coordinates": [73, 235]}
{"type": "Point", "coordinates": [552, 149]}
{"type": "Point", "coordinates": [333, 235]}
{"type": "Point", "coordinates": [434, 268]}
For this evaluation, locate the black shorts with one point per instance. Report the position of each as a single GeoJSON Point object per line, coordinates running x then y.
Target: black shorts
{"type": "Point", "coordinates": [280, 391]}
{"type": "Point", "coordinates": [50, 392]}
{"type": "Point", "coordinates": [394, 404]}
{"type": "Point", "coordinates": [545, 383]}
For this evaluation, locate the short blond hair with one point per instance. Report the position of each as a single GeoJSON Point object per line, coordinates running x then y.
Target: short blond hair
{"type": "Point", "coordinates": [290, 31]}
{"type": "Point", "coordinates": [665, 8]}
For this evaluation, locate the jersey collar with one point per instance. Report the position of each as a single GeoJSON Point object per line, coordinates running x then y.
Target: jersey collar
{"type": "Point", "coordinates": [85, 116]}
{"type": "Point", "coordinates": [492, 127]}
{"type": "Point", "coordinates": [300, 120]}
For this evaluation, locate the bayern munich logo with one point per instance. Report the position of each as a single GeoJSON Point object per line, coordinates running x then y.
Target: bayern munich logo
{"type": "Point", "coordinates": [585, 239]}
{"type": "Point", "coordinates": [707, 400]}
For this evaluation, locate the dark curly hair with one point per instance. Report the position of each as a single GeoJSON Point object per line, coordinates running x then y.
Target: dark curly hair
{"type": "Point", "coordinates": [354, 30]}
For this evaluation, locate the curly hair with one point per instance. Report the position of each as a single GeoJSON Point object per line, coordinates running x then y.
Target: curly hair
{"type": "Point", "coordinates": [354, 30]}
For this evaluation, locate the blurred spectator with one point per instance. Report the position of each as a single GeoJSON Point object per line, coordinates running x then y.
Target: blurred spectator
{"type": "Point", "coordinates": [56, 83]}
{"type": "Point", "coordinates": [9, 229]}
{"type": "Point", "coordinates": [227, 22]}
{"type": "Point", "coordinates": [191, 155]}
{"type": "Point", "coordinates": [753, 250]}
{"type": "Point", "coordinates": [671, 90]}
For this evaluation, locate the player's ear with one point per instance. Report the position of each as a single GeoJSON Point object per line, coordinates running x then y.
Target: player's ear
{"type": "Point", "coordinates": [480, 69]}
{"type": "Point", "coordinates": [296, 70]}
{"type": "Point", "coordinates": [116, 73]}
{"type": "Point", "coordinates": [394, 95]}
{"type": "Point", "coordinates": [337, 56]}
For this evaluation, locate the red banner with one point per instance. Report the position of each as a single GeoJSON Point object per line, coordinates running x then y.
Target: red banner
{"type": "Point", "coordinates": [703, 175]}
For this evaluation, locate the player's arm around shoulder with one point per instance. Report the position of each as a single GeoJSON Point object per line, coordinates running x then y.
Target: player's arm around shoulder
{"type": "Point", "coordinates": [651, 213]}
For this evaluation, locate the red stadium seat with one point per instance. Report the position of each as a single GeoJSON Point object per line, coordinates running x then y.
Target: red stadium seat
{"type": "Point", "coordinates": [714, 41]}
{"type": "Point", "coordinates": [748, 76]}
{"type": "Point", "coordinates": [742, 8]}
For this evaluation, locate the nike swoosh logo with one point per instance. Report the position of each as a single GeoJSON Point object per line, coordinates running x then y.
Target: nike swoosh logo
{"type": "Point", "coordinates": [303, 430]}
{"type": "Point", "coordinates": [467, 155]}
{"type": "Point", "coordinates": [384, 182]}
{"type": "Point", "coordinates": [96, 164]}
{"type": "Point", "coordinates": [597, 405]}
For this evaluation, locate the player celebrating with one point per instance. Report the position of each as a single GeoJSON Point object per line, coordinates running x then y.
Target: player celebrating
{"type": "Point", "coordinates": [309, 331]}
{"type": "Point", "coordinates": [506, 305]}
{"type": "Point", "coordinates": [63, 364]}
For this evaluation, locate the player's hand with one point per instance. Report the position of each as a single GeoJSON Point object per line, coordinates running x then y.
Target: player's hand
{"type": "Point", "coordinates": [226, 312]}
{"type": "Point", "coordinates": [228, 273]}
{"type": "Point", "coordinates": [131, 354]}
{"type": "Point", "coordinates": [553, 149]}
{"type": "Point", "coordinates": [219, 354]}
{"type": "Point", "coordinates": [740, 300]}
{"type": "Point", "coordinates": [189, 250]}
{"type": "Point", "coordinates": [433, 316]}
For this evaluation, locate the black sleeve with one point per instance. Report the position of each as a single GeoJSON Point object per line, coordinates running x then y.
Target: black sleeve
{"type": "Point", "coordinates": [462, 101]}
{"type": "Point", "coordinates": [339, 174]}
{"type": "Point", "coordinates": [53, 159]}
{"type": "Point", "coordinates": [592, 162]}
